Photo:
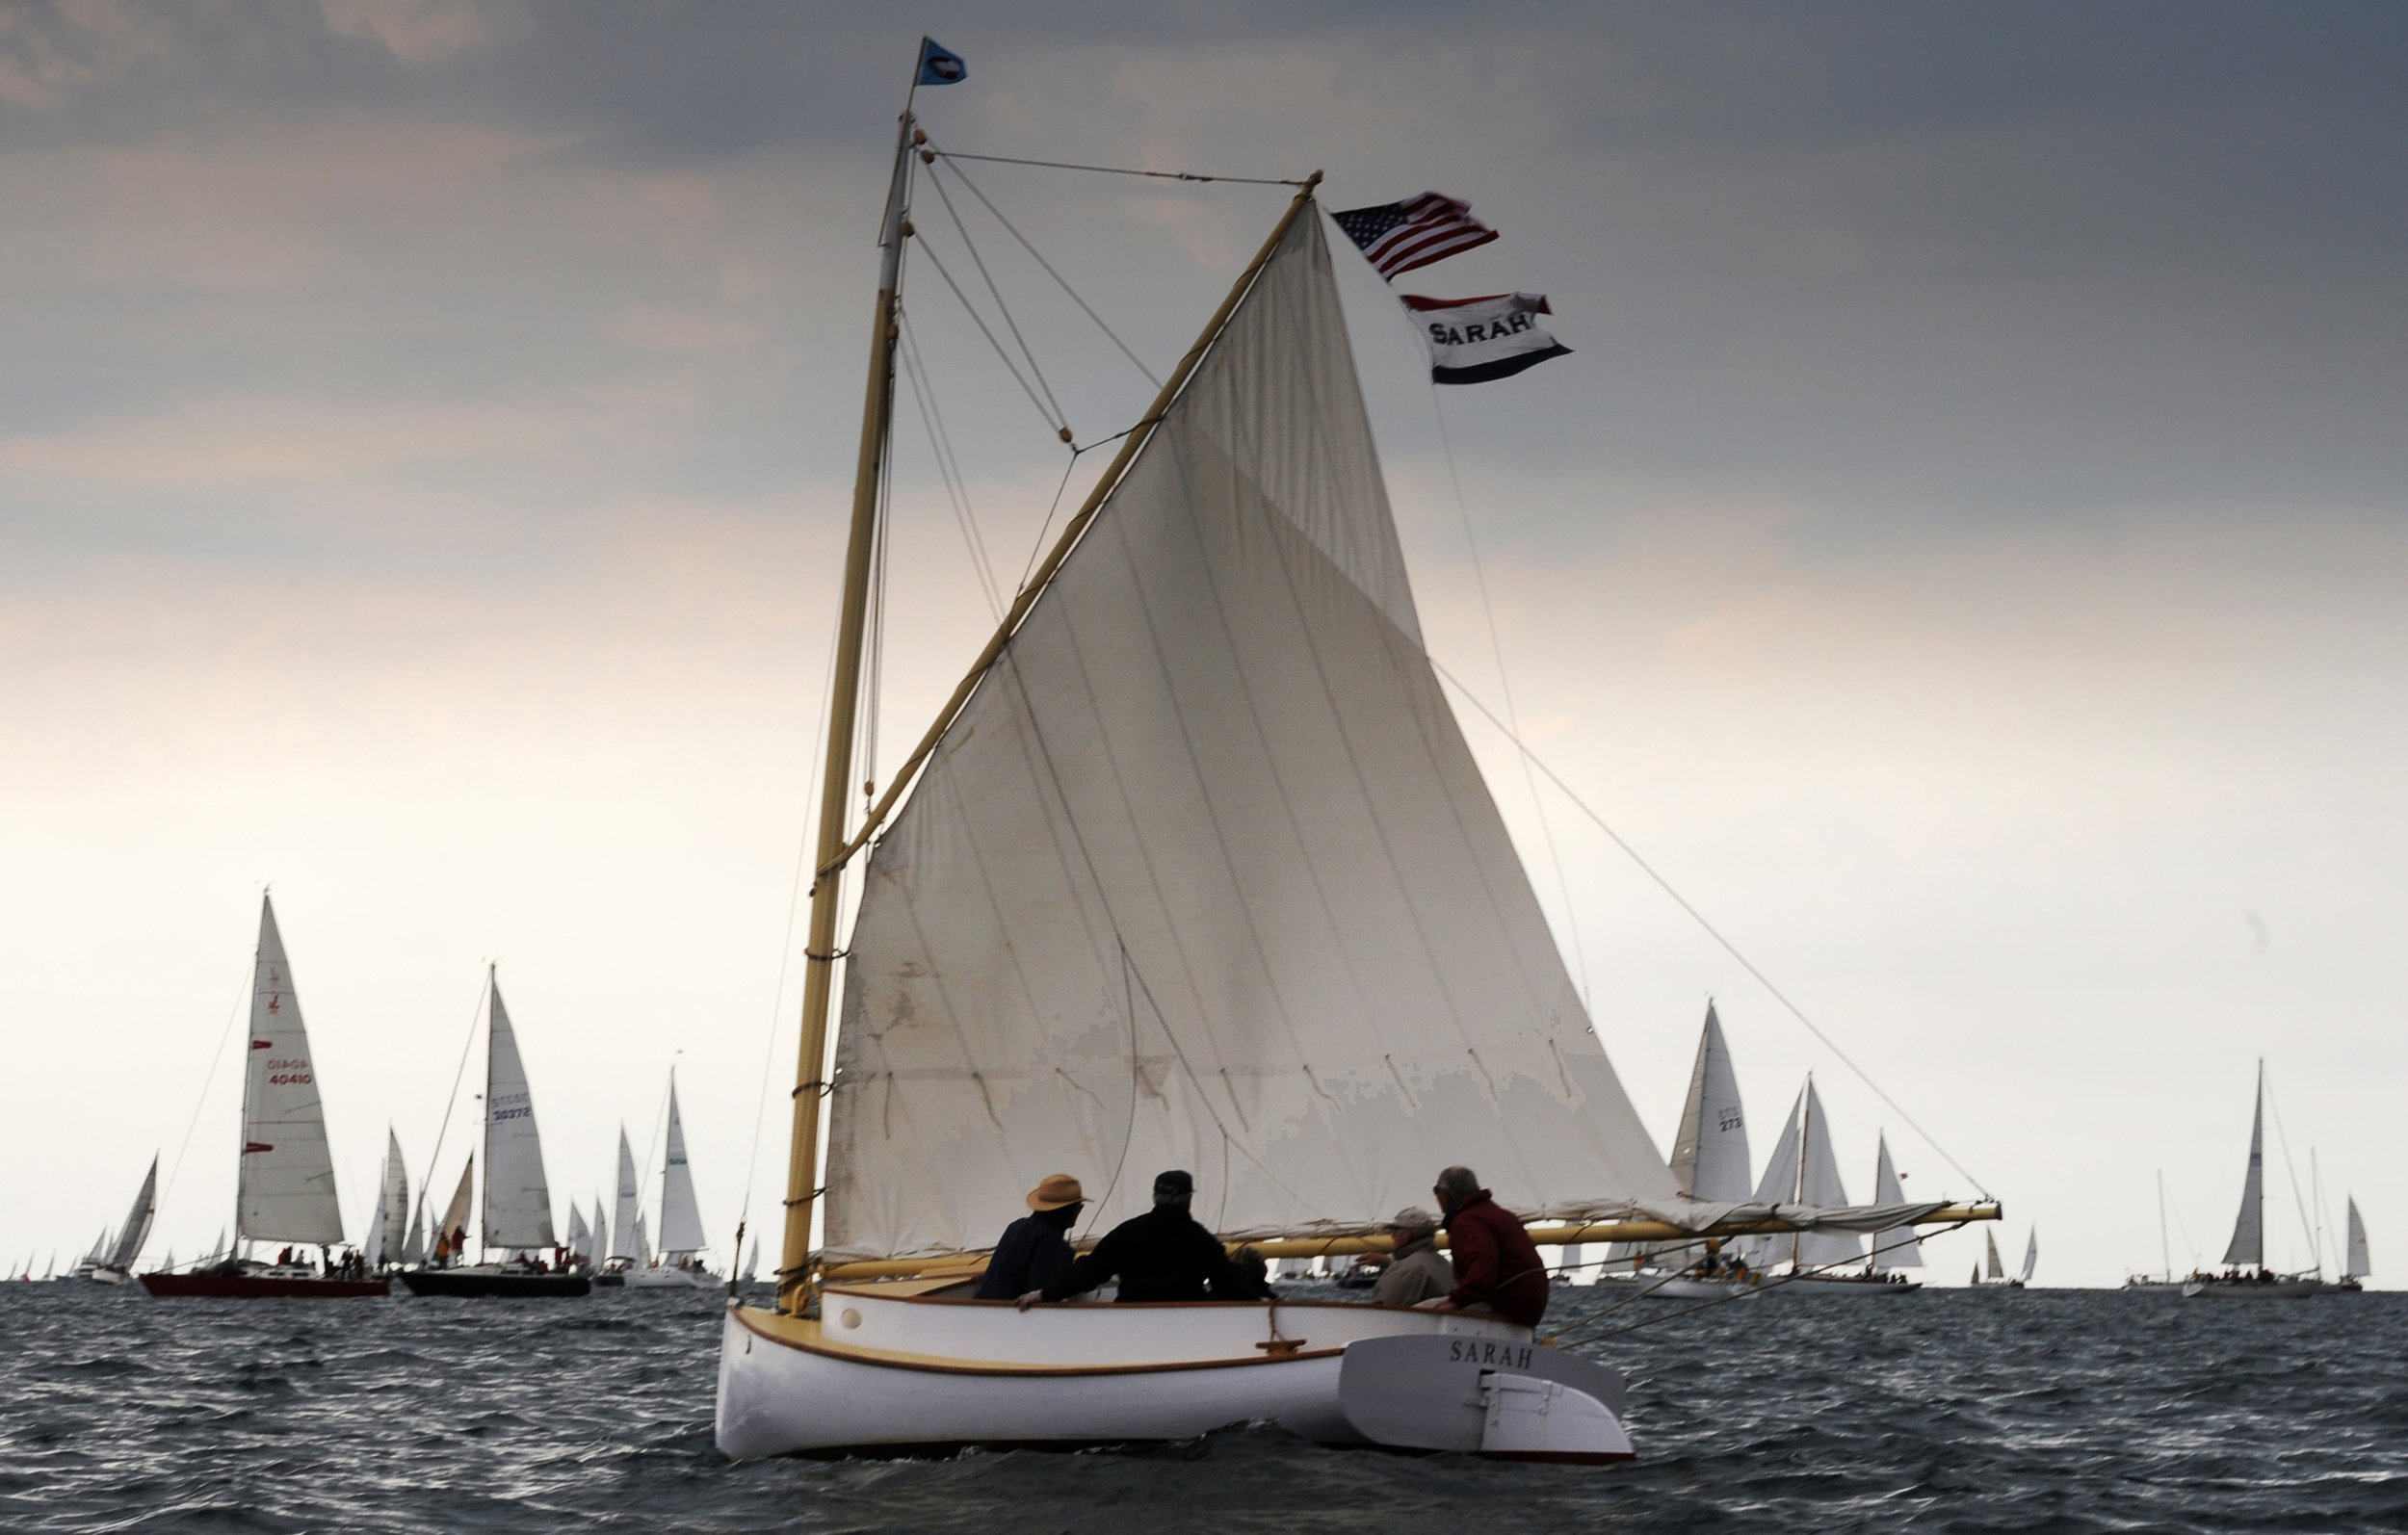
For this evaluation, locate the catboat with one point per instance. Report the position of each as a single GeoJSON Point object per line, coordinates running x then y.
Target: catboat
{"type": "Point", "coordinates": [1194, 870]}
{"type": "Point", "coordinates": [284, 1190]}
{"type": "Point", "coordinates": [517, 1214]}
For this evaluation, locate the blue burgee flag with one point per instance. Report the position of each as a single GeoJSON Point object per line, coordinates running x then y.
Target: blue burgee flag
{"type": "Point", "coordinates": [939, 65]}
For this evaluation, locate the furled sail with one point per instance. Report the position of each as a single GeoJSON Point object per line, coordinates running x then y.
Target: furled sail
{"type": "Point", "coordinates": [681, 1218]}
{"type": "Point", "coordinates": [517, 1201]}
{"type": "Point", "coordinates": [1205, 876]}
{"type": "Point", "coordinates": [1710, 1152]}
{"type": "Point", "coordinates": [2357, 1267]}
{"type": "Point", "coordinates": [2248, 1248]}
{"type": "Point", "coordinates": [624, 1242]}
{"type": "Point", "coordinates": [1896, 1248]}
{"type": "Point", "coordinates": [137, 1228]}
{"type": "Point", "coordinates": [286, 1190]}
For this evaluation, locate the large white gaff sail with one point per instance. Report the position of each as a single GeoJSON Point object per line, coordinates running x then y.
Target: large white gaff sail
{"type": "Point", "coordinates": [2248, 1248]}
{"type": "Point", "coordinates": [681, 1218]}
{"type": "Point", "coordinates": [1204, 875]}
{"type": "Point", "coordinates": [2356, 1266]}
{"type": "Point", "coordinates": [137, 1228]}
{"type": "Point", "coordinates": [1897, 1247]}
{"type": "Point", "coordinates": [287, 1189]}
{"type": "Point", "coordinates": [625, 1244]}
{"type": "Point", "coordinates": [517, 1199]}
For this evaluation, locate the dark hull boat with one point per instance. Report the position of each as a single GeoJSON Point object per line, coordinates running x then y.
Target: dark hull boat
{"type": "Point", "coordinates": [493, 1283]}
{"type": "Point", "coordinates": [260, 1286]}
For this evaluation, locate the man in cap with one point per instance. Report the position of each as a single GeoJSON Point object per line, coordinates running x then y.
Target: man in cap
{"type": "Point", "coordinates": [1417, 1271]}
{"type": "Point", "coordinates": [1036, 1249]}
{"type": "Point", "coordinates": [1495, 1264]}
{"type": "Point", "coordinates": [1162, 1254]}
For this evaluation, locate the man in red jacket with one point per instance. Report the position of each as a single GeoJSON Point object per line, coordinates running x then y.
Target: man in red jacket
{"type": "Point", "coordinates": [1496, 1263]}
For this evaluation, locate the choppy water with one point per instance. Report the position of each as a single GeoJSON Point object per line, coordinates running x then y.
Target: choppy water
{"type": "Point", "coordinates": [1942, 1410]}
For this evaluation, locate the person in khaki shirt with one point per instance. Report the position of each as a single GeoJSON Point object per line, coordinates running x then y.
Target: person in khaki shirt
{"type": "Point", "coordinates": [1417, 1271]}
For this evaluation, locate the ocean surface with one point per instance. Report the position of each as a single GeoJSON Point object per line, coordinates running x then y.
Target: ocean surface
{"type": "Point", "coordinates": [1943, 1410]}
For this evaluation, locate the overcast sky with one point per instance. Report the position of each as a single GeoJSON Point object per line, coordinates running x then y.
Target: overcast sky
{"type": "Point", "coordinates": [1964, 552]}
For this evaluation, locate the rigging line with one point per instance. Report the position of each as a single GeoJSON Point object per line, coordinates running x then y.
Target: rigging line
{"type": "Point", "coordinates": [1496, 649]}
{"type": "Point", "coordinates": [1060, 416]}
{"type": "Point", "coordinates": [1039, 259]}
{"type": "Point", "coordinates": [980, 321]}
{"type": "Point", "coordinates": [949, 466]}
{"type": "Point", "coordinates": [2291, 1172]}
{"type": "Point", "coordinates": [216, 1057]}
{"type": "Point", "coordinates": [1117, 170]}
{"type": "Point", "coordinates": [459, 1074]}
{"type": "Point", "coordinates": [1710, 931]}
{"type": "Point", "coordinates": [1037, 549]}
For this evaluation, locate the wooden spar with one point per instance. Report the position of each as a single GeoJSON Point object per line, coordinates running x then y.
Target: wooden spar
{"type": "Point", "coordinates": [1070, 534]}
{"type": "Point", "coordinates": [803, 1160]}
{"type": "Point", "coordinates": [966, 1265]}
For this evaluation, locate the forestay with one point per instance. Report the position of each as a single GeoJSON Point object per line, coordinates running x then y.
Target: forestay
{"type": "Point", "coordinates": [1205, 876]}
{"type": "Point", "coordinates": [286, 1190]}
{"type": "Point", "coordinates": [517, 1199]}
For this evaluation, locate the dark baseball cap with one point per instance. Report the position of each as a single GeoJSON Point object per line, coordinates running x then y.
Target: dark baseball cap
{"type": "Point", "coordinates": [1174, 1185]}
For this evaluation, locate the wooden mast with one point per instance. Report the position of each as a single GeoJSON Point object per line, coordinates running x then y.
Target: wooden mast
{"type": "Point", "coordinates": [802, 1163]}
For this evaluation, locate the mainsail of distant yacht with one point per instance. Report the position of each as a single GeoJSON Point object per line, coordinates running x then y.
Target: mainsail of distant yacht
{"type": "Point", "coordinates": [2355, 1264]}
{"type": "Point", "coordinates": [1194, 870]}
{"type": "Point", "coordinates": [682, 1236]}
{"type": "Point", "coordinates": [1710, 1159]}
{"type": "Point", "coordinates": [515, 1226]}
{"type": "Point", "coordinates": [2244, 1257]}
{"type": "Point", "coordinates": [116, 1264]}
{"type": "Point", "coordinates": [626, 1243]}
{"type": "Point", "coordinates": [1896, 1248]}
{"type": "Point", "coordinates": [284, 1183]}
{"type": "Point", "coordinates": [388, 1232]}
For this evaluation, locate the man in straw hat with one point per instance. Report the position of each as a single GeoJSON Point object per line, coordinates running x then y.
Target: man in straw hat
{"type": "Point", "coordinates": [1035, 1251]}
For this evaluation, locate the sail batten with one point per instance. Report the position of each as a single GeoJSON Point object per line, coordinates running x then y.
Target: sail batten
{"type": "Point", "coordinates": [1204, 875]}
{"type": "Point", "coordinates": [285, 1190]}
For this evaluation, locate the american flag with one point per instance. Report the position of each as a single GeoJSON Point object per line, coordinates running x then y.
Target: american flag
{"type": "Point", "coordinates": [1399, 235]}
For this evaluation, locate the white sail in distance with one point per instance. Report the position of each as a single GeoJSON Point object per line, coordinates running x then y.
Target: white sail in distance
{"type": "Point", "coordinates": [643, 1247]}
{"type": "Point", "coordinates": [137, 1228]}
{"type": "Point", "coordinates": [598, 1245]}
{"type": "Point", "coordinates": [1204, 875]}
{"type": "Point", "coordinates": [1710, 1151]}
{"type": "Point", "coordinates": [624, 1241]}
{"type": "Point", "coordinates": [2032, 1253]}
{"type": "Point", "coordinates": [2248, 1248]}
{"type": "Point", "coordinates": [1897, 1247]}
{"type": "Point", "coordinates": [286, 1187]}
{"type": "Point", "coordinates": [1818, 1184]}
{"type": "Point", "coordinates": [414, 1250]}
{"type": "Point", "coordinates": [392, 1234]}
{"type": "Point", "coordinates": [517, 1199]}
{"type": "Point", "coordinates": [372, 1247]}
{"type": "Point", "coordinates": [2356, 1266]}
{"type": "Point", "coordinates": [578, 1236]}
{"type": "Point", "coordinates": [455, 1225]}
{"type": "Point", "coordinates": [681, 1218]}
{"type": "Point", "coordinates": [1989, 1242]}
{"type": "Point", "coordinates": [1777, 1186]}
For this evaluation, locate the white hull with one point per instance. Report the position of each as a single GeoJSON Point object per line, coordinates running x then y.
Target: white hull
{"type": "Point", "coordinates": [1682, 1286]}
{"type": "Point", "coordinates": [1825, 1285]}
{"type": "Point", "coordinates": [673, 1279]}
{"type": "Point", "coordinates": [904, 1373]}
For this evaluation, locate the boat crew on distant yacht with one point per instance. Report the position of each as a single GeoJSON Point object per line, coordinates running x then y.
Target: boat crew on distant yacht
{"type": "Point", "coordinates": [1034, 1253]}
{"type": "Point", "coordinates": [1417, 1271]}
{"type": "Point", "coordinates": [1165, 1253]}
{"type": "Point", "coordinates": [1497, 1267]}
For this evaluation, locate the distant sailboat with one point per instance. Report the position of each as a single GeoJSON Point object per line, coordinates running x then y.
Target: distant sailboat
{"type": "Point", "coordinates": [516, 1228]}
{"type": "Point", "coordinates": [2246, 1276]}
{"type": "Point", "coordinates": [2354, 1264]}
{"type": "Point", "coordinates": [1710, 1164]}
{"type": "Point", "coordinates": [626, 1249]}
{"type": "Point", "coordinates": [2032, 1256]}
{"type": "Point", "coordinates": [1805, 1170]}
{"type": "Point", "coordinates": [1897, 1247]}
{"type": "Point", "coordinates": [388, 1232]}
{"type": "Point", "coordinates": [284, 1183]}
{"type": "Point", "coordinates": [116, 1266]}
{"type": "Point", "coordinates": [682, 1239]}
{"type": "Point", "coordinates": [1989, 1273]}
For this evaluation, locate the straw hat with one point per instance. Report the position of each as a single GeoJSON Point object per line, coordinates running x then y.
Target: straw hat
{"type": "Point", "coordinates": [1056, 1191]}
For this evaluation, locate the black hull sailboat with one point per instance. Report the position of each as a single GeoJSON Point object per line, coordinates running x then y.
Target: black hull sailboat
{"type": "Point", "coordinates": [481, 1282]}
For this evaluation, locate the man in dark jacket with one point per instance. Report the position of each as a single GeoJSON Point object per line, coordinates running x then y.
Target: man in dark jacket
{"type": "Point", "coordinates": [1036, 1250]}
{"type": "Point", "coordinates": [1496, 1263]}
{"type": "Point", "coordinates": [1162, 1254]}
